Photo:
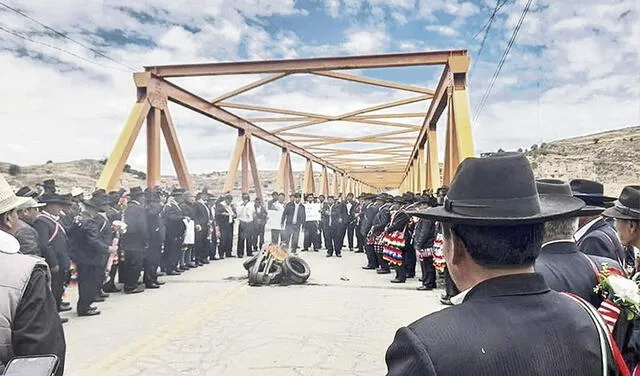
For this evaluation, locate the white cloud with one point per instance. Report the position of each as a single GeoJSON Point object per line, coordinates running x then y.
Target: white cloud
{"type": "Point", "coordinates": [458, 8]}
{"type": "Point", "coordinates": [443, 30]}
{"type": "Point", "coordinates": [399, 18]}
{"type": "Point", "coordinates": [366, 41]}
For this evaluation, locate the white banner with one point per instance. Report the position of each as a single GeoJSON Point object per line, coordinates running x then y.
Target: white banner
{"type": "Point", "coordinates": [273, 219]}
{"type": "Point", "coordinates": [312, 211]}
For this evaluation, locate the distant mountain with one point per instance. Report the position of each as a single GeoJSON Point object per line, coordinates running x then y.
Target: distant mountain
{"type": "Point", "coordinates": [612, 158]}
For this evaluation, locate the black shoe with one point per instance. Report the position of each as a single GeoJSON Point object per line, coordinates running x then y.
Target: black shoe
{"type": "Point", "coordinates": [192, 265]}
{"type": "Point", "coordinates": [329, 255]}
{"type": "Point", "coordinates": [350, 249]}
{"type": "Point", "coordinates": [111, 288]}
{"type": "Point", "coordinates": [316, 250]}
{"type": "Point", "coordinates": [358, 251]}
{"type": "Point", "coordinates": [175, 272]}
{"type": "Point", "coordinates": [92, 308]}
{"type": "Point", "coordinates": [98, 299]}
{"type": "Point", "coordinates": [411, 276]}
{"type": "Point", "coordinates": [305, 250]}
{"type": "Point", "coordinates": [65, 304]}
{"type": "Point", "coordinates": [396, 280]}
{"type": "Point", "coordinates": [137, 290]}
{"type": "Point", "coordinates": [201, 263]}
{"type": "Point", "coordinates": [368, 267]}
{"type": "Point", "coordinates": [230, 256]}
{"type": "Point", "coordinates": [89, 313]}
{"type": "Point", "coordinates": [64, 320]}
{"type": "Point", "coordinates": [424, 288]}
{"type": "Point", "coordinates": [151, 286]}
{"type": "Point", "coordinates": [382, 271]}
{"type": "Point", "coordinates": [64, 309]}
{"type": "Point", "coordinates": [159, 283]}
{"type": "Point", "coordinates": [103, 294]}
{"type": "Point", "coordinates": [338, 254]}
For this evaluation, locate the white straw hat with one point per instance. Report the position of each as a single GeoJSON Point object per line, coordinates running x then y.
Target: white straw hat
{"type": "Point", "coordinates": [31, 203]}
{"type": "Point", "coordinates": [8, 199]}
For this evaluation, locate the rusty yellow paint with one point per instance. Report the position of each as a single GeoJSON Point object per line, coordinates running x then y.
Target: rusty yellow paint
{"type": "Point", "coordinates": [110, 176]}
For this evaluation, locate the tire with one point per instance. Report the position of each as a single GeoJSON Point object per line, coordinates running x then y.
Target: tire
{"type": "Point", "coordinates": [275, 274]}
{"type": "Point", "coordinates": [296, 269]}
{"type": "Point", "coordinates": [248, 264]}
{"type": "Point", "coordinates": [258, 263]}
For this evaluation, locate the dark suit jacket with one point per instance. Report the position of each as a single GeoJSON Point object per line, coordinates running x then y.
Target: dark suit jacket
{"type": "Point", "coordinates": [566, 269]}
{"type": "Point", "coordinates": [512, 325]}
{"type": "Point", "coordinates": [381, 220]}
{"type": "Point", "coordinates": [56, 252]}
{"type": "Point", "coordinates": [424, 234]}
{"type": "Point", "coordinates": [368, 215]}
{"type": "Point", "coordinates": [289, 210]}
{"type": "Point", "coordinates": [601, 240]}
{"type": "Point", "coordinates": [91, 245]}
{"type": "Point", "coordinates": [155, 224]}
{"type": "Point", "coordinates": [337, 215]}
{"type": "Point", "coordinates": [137, 236]}
{"type": "Point", "coordinates": [172, 216]}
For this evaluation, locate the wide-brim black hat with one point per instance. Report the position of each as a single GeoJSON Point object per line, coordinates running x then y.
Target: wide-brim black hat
{"type": "Point", "coordinates": [178, 192]}
{"type": "Point", "coordinates": [136, 192]}
{"type": "Point", "coordinates": [100, 202]}
{"type": "Point", "coordinates": [54, 198]}
{"type": "Point", "coordinates": [26, 192]}
{"type": "Point", "coordinates": [499, 190]}
{"type": "Point", "coordinates": [559, 187]}
{"type": "Point", "coordinates": [627, 206]}
{"type": "Point", "coordinates": [591, 192]}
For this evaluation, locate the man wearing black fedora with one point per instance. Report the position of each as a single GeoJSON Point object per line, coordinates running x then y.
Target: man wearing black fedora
{"type": "Point", "coordinates": [626, 213]}
{"type": "Point", "coordinates": [174, 233]}
{"type": "Point", "coordinates": [596, 235]}
{"type": "Point", "coordinates": [134, 242]}
{"type": "Point", "coordinates": [54, 242]}
{"type": "Point", "coordinates": [562, 265]}
{"type": "Point", "coordinates": [91, 251]}
{"type": "Point", "coordinates": [506, 321]}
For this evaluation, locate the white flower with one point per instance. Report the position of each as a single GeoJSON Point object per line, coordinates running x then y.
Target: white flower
{"type": "Point", "coordinates": [624, 288]}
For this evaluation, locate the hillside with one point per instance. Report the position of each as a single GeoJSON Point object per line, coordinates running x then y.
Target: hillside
{"type": "Point", "coordinates": [611, 157]}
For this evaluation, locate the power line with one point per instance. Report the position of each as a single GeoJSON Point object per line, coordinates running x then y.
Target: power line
{"type": "Point", "coordinates": [17, 35]}
{"type": "Point", "coordinates": [505, 54]}
{"type": "Point", "coordinates": [63, 35]}
{"type": "Point", "coordinates": [487, 28]}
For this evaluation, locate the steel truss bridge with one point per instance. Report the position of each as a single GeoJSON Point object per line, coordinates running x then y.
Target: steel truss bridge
{"type": "Point", "coordinates": [409, 161]}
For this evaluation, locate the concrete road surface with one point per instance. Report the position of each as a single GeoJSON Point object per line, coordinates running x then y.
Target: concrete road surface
{"type": "Point", "coordinates": [208, 322]}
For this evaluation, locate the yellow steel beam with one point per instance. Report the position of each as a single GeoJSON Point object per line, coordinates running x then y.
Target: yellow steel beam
{"type": "Point", "coordinates": [110, 176]}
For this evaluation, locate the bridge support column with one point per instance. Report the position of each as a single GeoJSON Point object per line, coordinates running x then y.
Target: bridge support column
{"type": "Point", "coordinates": [433, 165]}
{"type": "Point", "coordinates": [285, 181]}
{"type": "Point", "coordinates": [309, 184]}
{"type": "Point", "coordinates": [324, 182]}
{"type": "Point", "coordinates": [243, 153]}
{"type": "Point", "coordinates": [153, 108]}
{"type": "Point", "coordinates": [459, 145]}
{"type": "Point", "coordinates": [334, 184]}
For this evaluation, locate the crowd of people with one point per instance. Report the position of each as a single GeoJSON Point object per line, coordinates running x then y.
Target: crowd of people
{"type": "Point", "coordinates": [133, 238]}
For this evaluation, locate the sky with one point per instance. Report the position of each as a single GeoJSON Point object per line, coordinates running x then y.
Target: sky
{"type": "Point", "coordinates": [573, 70]}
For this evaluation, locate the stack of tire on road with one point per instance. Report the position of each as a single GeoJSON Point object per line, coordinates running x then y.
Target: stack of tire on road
{"type": "Point", "coordinates": [274, 265]}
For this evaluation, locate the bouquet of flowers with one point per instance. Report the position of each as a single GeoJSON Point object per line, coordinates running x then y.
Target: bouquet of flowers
{"type": "Point", "coordinates": [621, 295]}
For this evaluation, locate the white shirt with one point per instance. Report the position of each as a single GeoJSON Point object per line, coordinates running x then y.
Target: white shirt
{"type": "Point", "coordinates": [558, 241]}
{"type": "Point", "coordinates": [458, 299]}
{"type": "Point", "coordinates": [246, 212]}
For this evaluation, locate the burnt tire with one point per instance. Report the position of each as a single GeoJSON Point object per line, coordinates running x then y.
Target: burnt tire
{"type": "Point", "coordinates": [248, 264]}
{"type": "Point", "coordinates": [296, 269]}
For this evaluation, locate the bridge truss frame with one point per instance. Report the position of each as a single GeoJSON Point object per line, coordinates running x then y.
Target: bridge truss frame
{"type": "Point", "coordinates": [404, 164]}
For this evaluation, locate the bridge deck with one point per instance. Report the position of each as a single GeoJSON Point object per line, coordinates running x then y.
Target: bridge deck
{"type": "Point", "coordinates": [210, 322]}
